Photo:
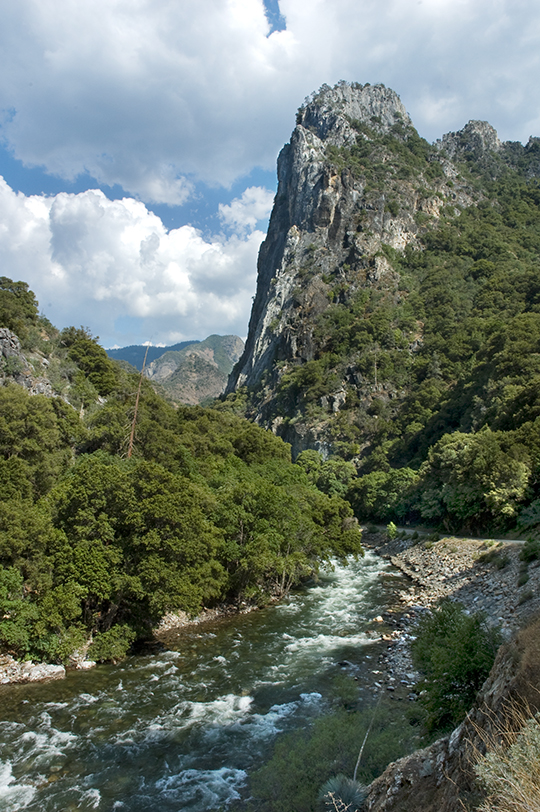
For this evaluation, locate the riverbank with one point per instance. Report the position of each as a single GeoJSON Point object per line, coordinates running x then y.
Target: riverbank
{"type": "Point", "coordinates": [482, 575]}
{"type": "Point", "coordinates": [172, 622]}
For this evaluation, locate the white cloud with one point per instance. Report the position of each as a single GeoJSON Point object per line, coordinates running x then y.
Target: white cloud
{"type": "Point", "coordinates": [154, 95]}
{"type": "Point", "coordinates": [243, 213]}
{"type": "Point", "coordinates": [93, 261]}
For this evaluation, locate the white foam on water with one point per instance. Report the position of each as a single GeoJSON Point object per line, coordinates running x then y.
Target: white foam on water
{"type": "Point", "coordinates": [90, 799]}
{"type": "Point", "coordinates": [42, 748]}
{"type": "Point", "coordinates": [290, 607]}
{"type": "Point", "coordinates": [257, 727]}
{"type": "Point", "coordinates": [226, 710]}
{"type": "Point", "coordinates": [326, 643]}
{"type": "Point", "coordinates": [219, 713]}
{"type": "Point", "coordinates": [206, 788]}
{"type": "Point", "coordinates": [13, 795]}
{"type": "Point", "coordinates": [266, 725]}
{"type": "Point", "coordinates": [87, 699]}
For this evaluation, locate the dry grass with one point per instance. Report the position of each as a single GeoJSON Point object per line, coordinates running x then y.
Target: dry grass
{"type": "Point", "coordinates": [510, 769]}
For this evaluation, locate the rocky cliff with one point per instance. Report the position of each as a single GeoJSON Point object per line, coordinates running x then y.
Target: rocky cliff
{"type": "Point", "coordinates": [357, 189]}
{"type": "Point", "coordinates": [14, 366]}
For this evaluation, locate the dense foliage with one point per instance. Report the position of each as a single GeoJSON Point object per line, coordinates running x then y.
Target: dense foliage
{"type": "Point", "coordinates": [18, 307]}
{"type": "Point", "coordinates": [96, 546]}
{"type": "Point", "coordinates": [454, 651]}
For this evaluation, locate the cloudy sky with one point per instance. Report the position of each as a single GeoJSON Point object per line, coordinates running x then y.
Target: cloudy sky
{"type": "Point", "coordinates": [138, 138]}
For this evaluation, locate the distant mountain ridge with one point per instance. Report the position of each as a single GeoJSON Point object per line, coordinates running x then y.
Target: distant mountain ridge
{"type": "Point", "coordinates": [134, 353]}
{"type": "Point", "coordinates": [191, 372]}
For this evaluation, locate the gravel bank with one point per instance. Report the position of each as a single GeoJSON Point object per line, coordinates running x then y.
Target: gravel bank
{"type": "Point", "coordinates": [482, 575]}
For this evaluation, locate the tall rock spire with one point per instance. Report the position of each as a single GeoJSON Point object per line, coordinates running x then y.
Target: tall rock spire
{"type": "Point", "coordinates": [356, 185]}
{"type": "Point", "coordinates": [314, 211]}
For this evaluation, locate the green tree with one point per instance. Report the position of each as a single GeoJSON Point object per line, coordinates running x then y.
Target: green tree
{"type": "Point", "coordinates": [472, 480]}
{"type": "Point", "coordinates": [18, 306]}
{"type": "Point", "coordinates": [90, 358]}
{"type": "Point", "coordinates": [35, 429]}
{"type": "Point", "coordinates": [455, 651]}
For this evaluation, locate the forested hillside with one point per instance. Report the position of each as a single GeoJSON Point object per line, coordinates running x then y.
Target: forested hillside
{"type": "Point", "coordinates": [397, 319]}
{"type": "Point", "coordinates": [96, 545]}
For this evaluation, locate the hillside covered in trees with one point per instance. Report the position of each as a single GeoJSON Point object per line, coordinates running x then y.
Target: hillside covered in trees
{"type": "Point", "coordinates": [96, 545]}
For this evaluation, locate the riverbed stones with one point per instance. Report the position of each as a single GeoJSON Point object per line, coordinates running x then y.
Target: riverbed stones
{"type": "Point", "coordinates": [452, 569]}
{"type": "Point", "coordinates": [458, 569]}
{"type": "Point", "coordinates": [12, 671]}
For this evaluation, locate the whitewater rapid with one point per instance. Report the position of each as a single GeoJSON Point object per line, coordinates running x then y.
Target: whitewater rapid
{"type": "Point", "coordinates": [181, 730]}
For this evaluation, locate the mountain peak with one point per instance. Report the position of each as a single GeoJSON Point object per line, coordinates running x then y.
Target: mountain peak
{"type": "Point", "coordinates": [329, 112]}
{"type": "Point", "coordinates": [473, 141]}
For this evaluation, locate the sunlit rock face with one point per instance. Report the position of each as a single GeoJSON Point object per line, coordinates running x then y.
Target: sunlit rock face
{"type": "Point", "coordinates": [343, 194]}
{"type": "Point", "coordinates": [315, 224]}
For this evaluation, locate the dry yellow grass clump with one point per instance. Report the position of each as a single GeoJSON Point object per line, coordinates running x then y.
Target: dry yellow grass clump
{"type": "Point", "coordinates": [510, 770]}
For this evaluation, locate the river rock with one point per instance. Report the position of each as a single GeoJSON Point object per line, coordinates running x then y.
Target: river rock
{"type": "Point", "coordinates": [12, 671]}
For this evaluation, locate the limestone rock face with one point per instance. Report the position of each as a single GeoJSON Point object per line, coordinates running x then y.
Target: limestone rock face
{"type": "Point", "coordinates": [15, 366]}
{"type": "Point", "coordinates": [10, 346]}
{"type": "Point", "coordinates": [343, 195]}
{"type": "Point", "coordinates": [475, 139]}
{"type": "Point", "coordinates": [316, 224]}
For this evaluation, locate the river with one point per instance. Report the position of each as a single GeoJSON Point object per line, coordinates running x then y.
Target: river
{"type": "Point", "coordinates": [182, 729]}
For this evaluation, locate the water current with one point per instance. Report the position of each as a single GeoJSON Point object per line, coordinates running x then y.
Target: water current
{"type": "Point", "coordinates": [182, 729]}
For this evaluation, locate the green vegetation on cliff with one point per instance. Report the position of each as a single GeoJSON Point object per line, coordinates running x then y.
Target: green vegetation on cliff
{"type": "Point", "coordinates": [418, 364]}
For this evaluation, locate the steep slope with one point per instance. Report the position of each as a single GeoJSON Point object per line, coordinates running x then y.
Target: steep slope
{"type": "Point", "coordinates": [398, 305]}
{"type": "Point", "coordinates": [198, 372]}
{"type": "Point", "coordinates": [354, 179]}
{"type": "Point", "coordinates": [441, 778]}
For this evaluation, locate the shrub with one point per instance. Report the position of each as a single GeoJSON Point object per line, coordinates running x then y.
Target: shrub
{"type": "Point", "coordinates": [111, 645]}
{"type": "Point", "coordinates": [455, 652]}
{"type": "Point", "coordinates": [530, 550]}
{"type": "Point", "coordinates": [523, 578]}
{"type": "Point", "coordinates": [496, 557]}
{"type": "Point", "coordinates": [525, 596]}
{"type": "Point", "coordinates": [391, 531]}
{"type": "Point", "coordinates": [342, 794]}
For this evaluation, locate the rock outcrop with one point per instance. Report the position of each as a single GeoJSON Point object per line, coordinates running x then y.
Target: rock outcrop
{"type": "Point", "coordinates": [15, 366]}
{"type": "Point", "coordinates": [475, 140]}
{"type": "Point", "coordinates": [315, 227]}
{"type": "Point", "coordinates": [12, 671]}
{"type": "Point", "coordinates": [357, 186]}
{"type": "Point", "coordinates": [345, 199]}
